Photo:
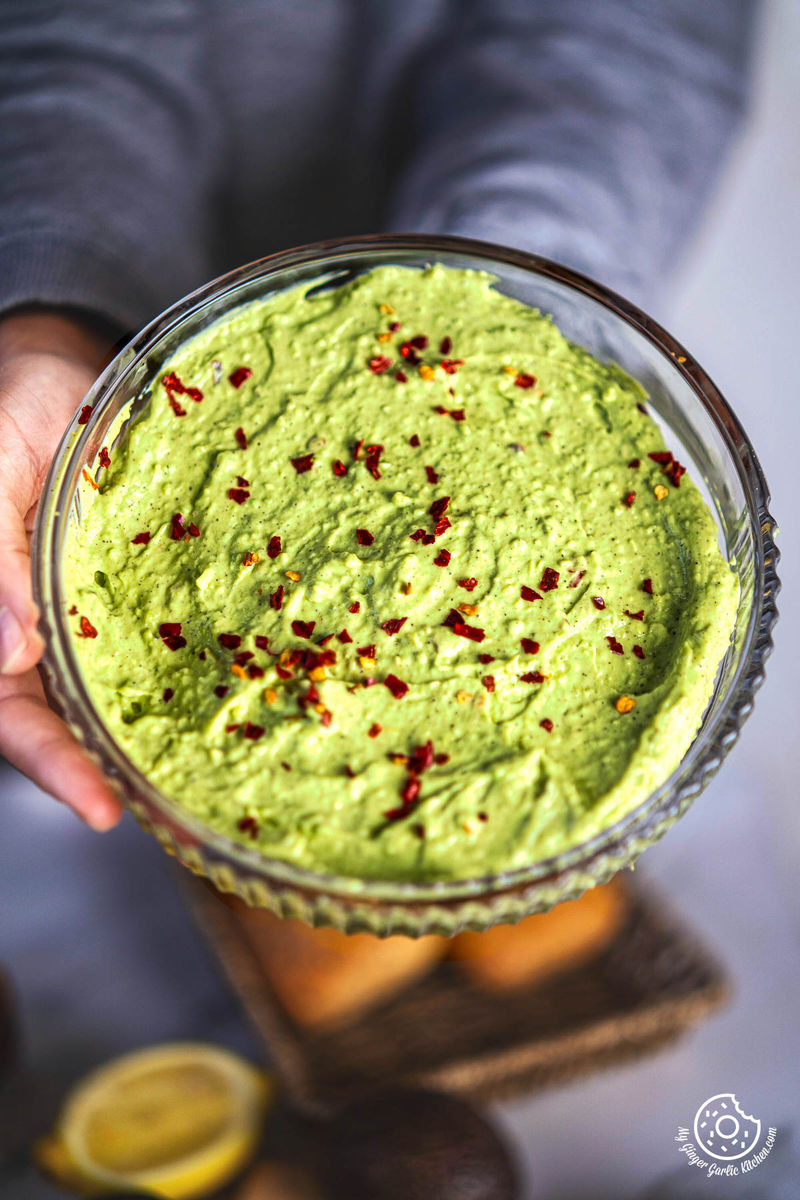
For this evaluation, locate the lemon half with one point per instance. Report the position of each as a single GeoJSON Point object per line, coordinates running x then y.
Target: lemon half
{"type": "Point", "coordinates": [177, 1120]}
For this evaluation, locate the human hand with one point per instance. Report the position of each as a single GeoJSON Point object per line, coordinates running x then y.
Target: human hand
{"type": "Point", "coordinates": [47, 364]}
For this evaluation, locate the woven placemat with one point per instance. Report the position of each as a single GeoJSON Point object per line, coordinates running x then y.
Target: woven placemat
{"type": "Point", "coordinates": [653, 983]}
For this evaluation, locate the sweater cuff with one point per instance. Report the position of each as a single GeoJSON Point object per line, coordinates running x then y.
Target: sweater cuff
{"type": "Point", "coordinates": [58, 271]}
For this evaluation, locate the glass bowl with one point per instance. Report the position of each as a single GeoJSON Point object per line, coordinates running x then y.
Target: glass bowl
{"type": "Point", "coordinates": [682, 398]}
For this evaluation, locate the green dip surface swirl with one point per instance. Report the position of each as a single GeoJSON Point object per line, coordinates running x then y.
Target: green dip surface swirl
{"type": "Point", "coordinates": [372, 581]}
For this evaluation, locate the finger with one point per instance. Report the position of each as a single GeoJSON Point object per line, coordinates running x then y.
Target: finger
{"type": "Point", "coordinates": [39, 744]}
{"type": "Point", "coordinates": [20, 643]}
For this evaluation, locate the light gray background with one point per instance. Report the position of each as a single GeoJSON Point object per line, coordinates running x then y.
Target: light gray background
{"type": "Point", "coordinates": [103, 958]}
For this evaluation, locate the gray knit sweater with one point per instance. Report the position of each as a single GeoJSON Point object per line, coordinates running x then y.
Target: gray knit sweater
{"type": "Point", "coordinates": [148, 145]}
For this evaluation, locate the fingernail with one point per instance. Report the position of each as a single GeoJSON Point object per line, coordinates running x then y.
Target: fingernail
{"type": "Point", "coordinates": [12, 639]}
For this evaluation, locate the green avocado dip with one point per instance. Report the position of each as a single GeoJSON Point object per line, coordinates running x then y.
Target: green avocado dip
{"type": "Point", "coordinates": [391, 580]}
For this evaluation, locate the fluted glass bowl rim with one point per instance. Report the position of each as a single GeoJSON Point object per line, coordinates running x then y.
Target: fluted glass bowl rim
{"type": "Point", "coordinates": [242, 868]}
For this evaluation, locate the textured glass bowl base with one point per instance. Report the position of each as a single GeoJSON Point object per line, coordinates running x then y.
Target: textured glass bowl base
{"type": "Point", "coordinates": [700, 427]}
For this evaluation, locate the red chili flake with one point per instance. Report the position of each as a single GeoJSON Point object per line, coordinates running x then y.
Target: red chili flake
{"type": "Point", "coordinates": [637, 616]}
{"type": "Point", "coordinates": [420, 342]}
{"type": "Point", "coordinates": [473, 632]}
{"type": "Point", "coordinates": [88, 630]}
{"type": "Point", "coordinates": [613, 645]}
{"type": "Point", "coordinates": [221, 690]}
{"type": "Point", "coordinates": [255, 672]}
{"type": "Point", "coordinates": [529, 646]}
{"type": "Point", "coordinates": [629, 499]}
{"type": "Point", "coordinates": [458, 414]}
{"type": "Point", "coordinates": [178, 530]}
{"type": "Point", "coordinates": [676, 471]}
{"type": "Point", "coordinates": [249, 559]}
{"type": "Point", "coordinates": [262, 642]}
{"type": "Point", "coordinates": [239, 495]}
{"type": "Point", "coordinates": [168, 694]}
{"type": "Point", "coordinates": [468, 585]}
{"type": "Point", "coordinates": [442, 558]}
{"type": "Point", "coordinates": [439, 507]}
{"type": "Point", "coordinates": [357, 448]}
{"type": "Point", "coordinates": [647, 586]}
{"type": "Point", "coordinates": [379, 364]}
{"type": "Point", "coordinates": [303, 629]}
{"type": "Point", "coordinates": [576, 578]}
{"type": "Point", "coordinates": [373, 459]}
{"type": "Point", "coordinates": [239, 376]}
{"type": "Point", "coordinates": [231, 641]}
{"type": "Point", "coordinates": [248, 825]}
{"type": "Point", "coordinates": [414, 440]}
{"type": "Point", "coordinates": [445, 345]}
{"type": "Point", "coordinates": [440, 527]}
{"type": "Point", "coordinates": [429, 538]}
{"type": "Point", "coordinates": [409, 793]}
{"type": "Point", "coordinates": [73, 612]}
{"type": "Point", "coordinates": [173, 384]}
{"type": "Point", "coordinates": [367, 651]}
{"type": "Point", "coordinates": [432, 475]}
{"type": "Point", "coordinates": [141, 539]}
{"type": "Point", "coordinates": [241, 438]}
{"type": "Point", "coordinates": [598, 602]}
{"type": "Point", "coordinates": [344, 637]}
{"type": "Point", "coordinates": [286, 766]}
{"type": "Point", "coordinates": [401, 377]}
{"type": "Point", "coordinates": [525, 381]}
{"type": "Point", "coordinates": [176, 406]}
{"type": "Point", "coordinates": [374, 730]}
{"type": "Point", "coordinates": [409, 354]}
{"type": "Point", "coordinates": [302, 464]}
{"type": "Point", "coordinates": [451, 365]}
{"type": "Point", "coordinates": [231, 728]}
{"type": "Point", "coordinates": [243, 657]}
{"type": "Point", "coordinates": [394, 326]}
{"type": "Point", "coordinates": [355, 607]}
{"type": "Point", "coordinates": [84, 414]}
{"type": "Point", "coordinates": [488, 682]}
{"type": "Point", "coordinates": [339, 468]}
{"type": "Point", "coordinates": [326, 717]}
{"type": "Point", "coordinates": [417, 535]}
{"type": "Point", "coordinates": [421, 759]}
{"type": "Point", "coordinates": [242, 482]}
{"type": "Point", "coordinates": [274, 546]}
{"type": "Point", "coordinates": [276, 598]}
{"type": "Point", "coordinates": [282, 672]}
{"type": "Point", "coordinates": [193, 530]}
{"type": "Point", "coordinates": [485, 658]}
{"type": "Point", "coordinates": [635, 463]}
{"type": "Point", "coordinates": [638, 651]}
{"type": "Point", "coordinates": [253, 732]}
{"type": "Point", "coordinates": [105, 458]}
{"type": "Point", "coordinates": [661, 456]}
{"type": "Point", "coordinates": [202, 656]}
{"type": "Point", "coordinates": [393, 626]}
{"type": "Point", "coordinates": [532, 677]}
{"type": "Point", "coordinates": [549, 579]}
{"type": "Point", "coordinates": [546, 724]}
{"type": "Point", "coordinates": [527, 593]}
{"type": "Point", "coordinates": [170, 634]}
{"type": "Point", "coordinates": [364, 537]}
{"type": "Point", "coordinates": [396, 686]}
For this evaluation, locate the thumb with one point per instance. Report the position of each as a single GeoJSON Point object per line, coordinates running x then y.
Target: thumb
{"type": "Point", "coordinates": [20, 644]}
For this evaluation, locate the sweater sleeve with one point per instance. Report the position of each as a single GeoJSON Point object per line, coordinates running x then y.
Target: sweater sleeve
{"type": "Point", "coordinates": [108, 145]}
{"type": "Point", "coordinates": [587, 132]}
